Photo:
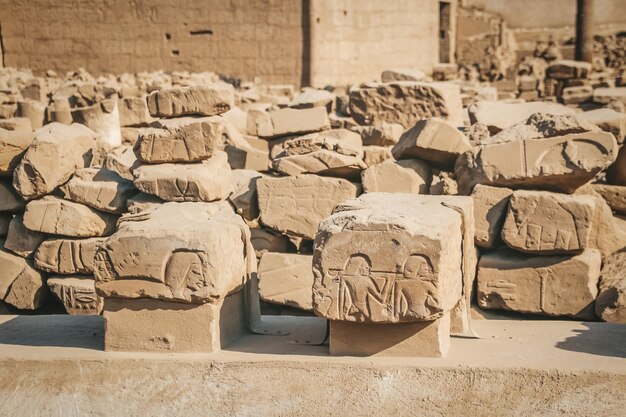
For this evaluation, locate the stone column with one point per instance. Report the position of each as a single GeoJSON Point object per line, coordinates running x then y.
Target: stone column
{"type": "Point", "coordinates": [584, 30]}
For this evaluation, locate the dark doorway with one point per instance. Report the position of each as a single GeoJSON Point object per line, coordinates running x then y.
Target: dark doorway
{"type": "Point", "coordinates": [444, 31]}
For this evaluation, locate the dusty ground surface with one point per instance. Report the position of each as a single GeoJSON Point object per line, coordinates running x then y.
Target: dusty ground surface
{"type": "Point", "coordinates": [54, 365]}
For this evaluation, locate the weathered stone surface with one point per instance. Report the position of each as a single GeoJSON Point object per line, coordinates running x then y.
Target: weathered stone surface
{"type": "Point", "coordinates": [311, 97]}
{"type": "Point", "coordinates": [405, 176]}
{"type": "Point", "coordinates": [77, 294]}
{"type": "Point", "coordinates": [20, 240]}
{"type": "Point", "coordinates": [498, 115]}
{"type": "Point", "coordinates": [608, 120]}
{"type": "Point", "coordinates": [336, 153]}
{"type": "Point", "coordinates": [187, 143]}
{"type": "Point", "coordinates": [560, 164]}
{"type": "Point", "coordinates": [616, 173]}
{"type": "Point", "coordinates": [134, 111]}
{"type": "Point", "coordinates": [390, 258]}
{"type": "Point", "coordinates": [5, 221]}
{"type": "Point", "coordinates": [21, 285]}
{"type": "Point", "coordinates": [382, 134]}
{"type": "Point", "coordinates": [432, 140]}
{"type": "Point", "coordinates": [34, 111]}
{"type": "Point", "coordinates": [373, 155]}
{"type": "Point", "coordinates": [207, 100]}
{"type": "Point", "coordinates": [297, 121]}
{"type": "Point", "coordinates": [406, 102]}
{"type": "Point", "coordinates": [296, 205]}
{"type": "Point", "coordinates": [17, 124]}
{"type": "Point", "coordinates": [67, 256]}
{"type": "Point", "coordinates": [551, 285]}
{"type": "Point", "coordinates": [104, 119]}
{"type": "Point", "coordinates": [259, 123]}
{"type": "Point", "coordinates": [10, 201]}
{"type": "Point", "coordinates": [402, 74]}
{"type": "Point", "coordinates": [55, 153]}
{"type": "Point", "coordinates": [123, 161]}
{"type": "Point", "coordinates": [190, 252]}
{"type": "Point", "coordinates": [577, 94]}
{"type": "Point", "coordinates": [267, 240]}
{"type": "Point", "coordinates": [99, 188]}
{"type": "Point", "coordinates": [287, 279]}
{"type": "Point", "coordinates": [609, 94]}
{"type": "Point", "coordinates": [443, 183]}
{"type": "Point", "coordinates": [54, 215]}
{"type": "Point", "coordinates": [611, 300]}
{"type": "Point", "coordinates": [13, 145]}
{"type": "Point", "coordinates": [251, 154]}
{"type": "Point", "coordinates": [142, 201]}
{"type": "Point", "coordinates": [564, 69]}
{"type": "Point", "coordinates": [490, 209]}
{"type": "Point", "coordinates": [244, 196]}
{"type": "Point", "coordinates": [614, 195]}
{"type": "Point", "coordinates": [209, 180]}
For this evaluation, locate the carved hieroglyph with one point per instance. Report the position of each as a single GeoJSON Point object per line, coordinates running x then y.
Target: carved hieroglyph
{"type": "Point", "coordinates": [67, 256]}
{"type": "Point", "coordinates": [560, 164]}
{"type": "Point", "coordinates": [77, 294]}
{"type": "Point", "coordinates": [188, 252]}
{"type": "Point", "coordinates": [389, 258]}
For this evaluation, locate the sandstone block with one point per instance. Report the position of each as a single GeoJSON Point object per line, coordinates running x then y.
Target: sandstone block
{"type": "Point", "coordinates": [244, 196]}
{"type": "Point", "coordinates": [406, 176]}
{"type": "Point", "coordinates": [10, 201]}
{"type": "Point", "coordinates": [564, 69]}
{"type": "Point", "coordinates": [259, 123]}
{"type": "Point", "coordinates": [543, 125]}
{"type": "Point", "coordinates": [104, 119]}
{"type": "Point", "coordinates": [207, 100]}
{"type": "Point", "coordinates": [100, 189]}
{"type": "Point", "coordinates": [286, 279]}
{"type": "Point", "coordinates": [616, 173]}
{"type": "Point", "coordinates": [13, 145]}
{"type": "Point", "coordinates": [607, 95]}
{"type": "Point", "coordinates": [55, 153]}
{"type": "Point", "coordinates": [611, 300]}
{"type": "Point", "coordinates": [382, 134]}
{"type": "Point", "coordinates": [77, 294]}
{"type": "Point", "coordinates": [498, 115]}
{"type": "Point", "coordinates": [142, 201]}
{"type": "Point", "coordinates": [614, 195]}
{"type": "Point", "coordinates": [289, 121]}
{"type": "Point", "coordinates": [432, 140]}
{"type": "Point", "coordinates": [16, 124]}
{"type": "Point", "coordinates": [551, 285]}
{"type": "Point", "coordinates": [20, 240]}
{"type": "Point", "coordinates": [122, 160]}
{"type": "Point", "coordinates": [21, 285]}
{"type": "Point", "coordinates": [134, 111]}
{"type": "Point", "coordinates": [296, 205]}
{"type": "Point", "coordinates": [54, 215]}
{"type": "Point", "coordinates": [576, 95]}
{"type": "Point", "coordinates": [490, 209]}
{"type": "Point", "coordinates": [311, 97]}
{"type": "Point", "coordinates": [402, 74]}
{"type": "Point", "coordinates": [267, 240]}
{"type": "Point", "coordinates": [373, 155]}
{"type": "Point", "coordinates": [67, 256]}
{"type": "Point", "coordinates": [608, 120]}
{"type": "Point", "coordinates": [209, 180]}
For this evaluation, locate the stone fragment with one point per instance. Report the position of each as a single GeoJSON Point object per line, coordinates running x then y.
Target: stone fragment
{"type": "Point", "coordinates": [611, 300]}
{"type": "Point", "coordinates": [142, 201]}
{"type": "Point", "coordinates": [122, 160]}
{"type": "Point", "coordinates": [99, 188]}
{"type": "Point", "coordinates": [289, 121]}
{"type": "Point", "coordinates": [55, 153]}
{"type": "Point", "coordinates": [54, 215]}
{"type": "Point", "coordinates": [445, 71]}
{"type": "Point", "coordinates": [286, 279]}
{"type": "Point", "coordinates": [209, 180]}
{"type": "Point", "coordinates": [268, 241]}
{"type": "Point", "coordinates": [406, 102]}
{"type": "Point", "coordinates": [104, 119]}
{"type": "Point", "coordinates": [561, 164]}
{"type": "Point", "coordinates": [10, 201]}
{"type": "Point", "coordinates": [432, 140]}
{"type": "Point", "coordinates": [498, 115]}
{"type": "Point", "coordinates": [296, 205]}
{"type": "Point", "coordinates": [576, 95]}
{"type": "Point", "coordinates": [551, 285]}
{"type": "Point", "coordinates": [616, 173]}
{"type": "Point", "coordinates": [251, 154]}
{"type": "Point", "coordinates": [541, 126]}
{"type": "Point", "coordinates": [17, 124]}
{"type": "Point", "coordinates": [134, 111]}
{"type": "Point", "coordinates": [67, 256]}
{"type": "Point", "coordinates": [34, 111]}
{"type": "Point", "coordinates": [187, 143]}
{"type": "Point", "coordinates": [373, 155]}
{"type": "Point", "coordinates": [13, 145]}
{"type": "Point", "coordinates": [607, 95]}
{"type": "Point", "coordinates": [244, 196]}
{"type": "Point", "coordinates": [402, 74]}
{"type": "Point", "coordinates": [406, 176]}
{"type": "Point", "coordinates": [477, 134]}
{"type": "Point", "coordinates": [20, 240]}
{"type": "Point", "coordinates": [614, 195]}
{"type": "Point", "coordinates": [608, 120]}
{"type": "Point", "coordinates": [190, 252]}
{"type": "Point", "coordinates": [206, 100]}
{"type": "Point", "coordinates": [21, 285]}
{"type": "Point", "coordinates": [490, 209]}
{"type": "Point", "coordinates": [259, 123]}
{"type": "Point", "coordinates": [382, 134]}
{"type": "Point", "coordinates": [5, 221]}
{"type": "Point", "coordinates": [443, 183]}
{"type": "Point", "coordinates": [565, 69]}
{"type": "Point", "coordinates": [77, 294]}
{"type": "Point", "coordinates": [311, 97]}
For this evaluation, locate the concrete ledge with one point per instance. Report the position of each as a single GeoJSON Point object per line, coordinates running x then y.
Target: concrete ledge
{"type": "Point", "coordinates": [54, 365]}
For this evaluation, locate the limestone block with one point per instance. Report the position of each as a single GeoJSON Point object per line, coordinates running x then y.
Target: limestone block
{"type": "Point", "coordinates": [21, 285]}
{"type": "Point", "coordinates": [67, 256]}
{"type": "Point", "coordinates": [104, 119]}
{"type": "Point", "coordinates": [608, 120]}
{"type": "Point", "coordinates": [244, 196]}
{"type": "Point", "coordinates": [122, 160]}
{"type": "Point", "coordinates": [286, 279]}
{"type": "Point", "coordinates": [35, 111]}
{"type": "Point", "coordinates": [20, 240]}
{"type": "Point", "coordinates": [190, 252]}
{"type": "Point", "coordinates": [142, 201]}
{"type": "Point", "coordinates": [406, 176]}
{"type": "Point", "coordinates": [392, 258]}
{"type": "Point", "coordinates": [402, 74]}
{"type": "Point", "coordinates": [490, 209]}
{"type": "Point", "coordinates": [564, 69]}
{"type": "Point", "coordinates": [205, 100]}
{"type": "Point", "coordinates": [543, 125]}
{"type": "Point", "coordinates": [432, 140]}
{"type": "Point", "coordinates": [373, 155]}
{"type": "Point", "coordinates": [13, 145]}
{"type": "Point", "coordinates": [382, 134]}
{"type": "Point", "coordinates": [311, 97]}
{"type": "Point", "coordinates": [616, 173]}
{"type": "Point", "coordinates": [614, 195]}
{"type": "Point", "coordinates": [187, 143]}
{"type": "Point", "coordinates": [77, 294]}
{"type": "Point", "coordinates": [296, 205]}
{"type": "Point", "coordinates": [607, 95]}
{"type": "Point", "coordinates": [100, 189]}
{"type": "Point", "coordinates": [290, 121]}
{"type": "Point", "coordinates": [406, 102]}
{"type": "Point", "coordinates": [55, 153]}
{"type": "Point", "coordinates": [10, 201]}
{"type": "Point", "coordinates": [209, 180]}
{"type": "Point", "coordinates": [54, 215]}
{"type": "Point", "coordinates": [134, 111]}
{"type": "Point", "coordinates": [611, 300]}
{"type": "Point", "coordinates": [561, 164]}
{"type": "Point", "coordinates": [498, 115]}
{"type": "Point", "coordinates": [551, 285]}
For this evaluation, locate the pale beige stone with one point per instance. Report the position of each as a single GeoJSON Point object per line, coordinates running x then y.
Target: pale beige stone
{"type": "Point", "coordinates": [402, 74]}
{"type": "Point", "coordinates": [253, 154]}
{"type": "Point", "coordinates": [614, 195]}
{"type": "Point", "coordinates": [10, 201]}
{"type": "Point", "coordinates": [100, 189]}
{"type": "Point", "coordinates": [541, 126]}
{"type": "Point", "coordinates": [608, 120]}
{"type": "Point", "coordinates": [561, 164]}
{"type": "Point", "coordinates": [77, 294]}
{"type": "Point", "coordinates": [287, 279]}
{"type": "Point", "coordinates": [190, 252]}
{"type": "Point", "coordinates": [67, 256]}
{"type": "Point", "coordinates": [616, 173]}
{"type": "Point", "coordinates": [611, 300]}
{"type": "Point", "coordinates": [490, 209]}
{"type": "Point", "coordinates": [312, 97]}
{"type": "Point", "coordinates": [244, 196]}
{"type": "Point", "coordinates": [382, 134]}
{"type": "Point", "coordinates": [296, 205]}
{"type": "Point", "coordinates": [20, 240]}
{"type": "Point", "coordinates": [104, 119]}
{"type": "Point", "coordinates": [551, 285]}
{"type": "Point", "coordinates": [54, 215]}
{"type": "Point", "coordinates": [606, 95]}
{"type": "Point", "coordinates": [564, 69]}
{"type": "Point", "coordinates": [123, 161]}
{"type": "Point", "coordinates": [55, 153]}
{"type": "Point", "coordinates": [13, 145]}
{"type": "Point", "coordinates": [289, 121]}
{"type": "Point", "coordinates": [443, 183]}
{"type": "Point", "coordinates": [206, 100]}
{"type": "Point", "coordinates": [134, 111]}
{"type": "Point", "coordinates": [21, 285]}
{"type": "Point", "coordinates": [22, 124]}
{"type": "Point", "coordinates": [259, 123]}
{"type": "Point", "coordinates": [187, 143]}
{"type": "Point", "coordinates": [498, 115]}
{"type": "Point", "coordinates": [406, 176]}
{"type": "Point", "coordinates": [35, 111]}
{"type": "Point", "coordinates": [142, 201]}
{"type": "Point", "coordinates": [373, 155]}
{"type": "Point", "coordinates": [268, 241]}
{"type": "Point", "coordinates": [209, 180]}
{"type": "Point", "coordinates": [406, 102]}
{"type": "Point", "coordinates": [432, 140]}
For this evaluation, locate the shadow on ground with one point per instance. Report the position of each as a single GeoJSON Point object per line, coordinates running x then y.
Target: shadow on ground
{"type": "Point", "coordinates": [602, 339]}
